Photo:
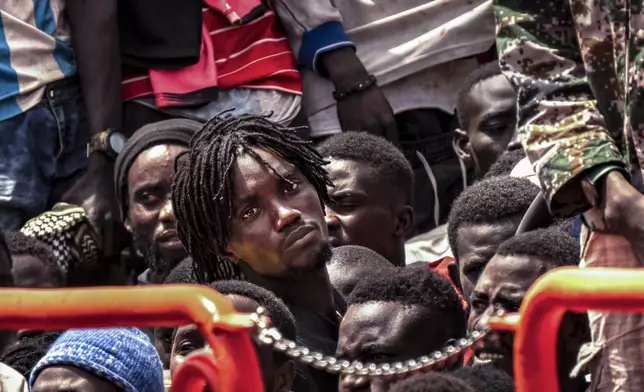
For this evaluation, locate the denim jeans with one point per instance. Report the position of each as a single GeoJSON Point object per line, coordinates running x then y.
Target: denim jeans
{"type": "Point", "coordinates": [42, 152]}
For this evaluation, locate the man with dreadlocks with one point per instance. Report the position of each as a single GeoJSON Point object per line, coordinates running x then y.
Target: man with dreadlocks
{"type": "Point", "coordinates": [248, 198]}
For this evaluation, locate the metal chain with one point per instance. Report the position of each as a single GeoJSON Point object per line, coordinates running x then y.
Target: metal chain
{"type": "Point", "coordinates": [273, 338]}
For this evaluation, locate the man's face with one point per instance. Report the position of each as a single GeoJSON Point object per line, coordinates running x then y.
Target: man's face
{"type": "Point", "coordinates": [276, 377]}
{"type": "Point", "coordinates": [70, 378]}
{"type": "Point", "coordinates": [502, 287]}
{"type": "Point", "coordinates": [476, 244]}
{"type": "Point", "coordinates": [363, 211]}
{"type": "Point", "coordinates": [491, 109]}
{"type": "Point", "coordinates": [278, 226]}
{"type": "Point", "coordinates": [149, 214]}
{"type": "Point", "coordinates": [385, 332]}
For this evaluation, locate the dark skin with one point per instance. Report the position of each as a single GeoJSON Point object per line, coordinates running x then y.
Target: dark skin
{"type": "Point", "coordinates": [277, 377]}
{"type": "Point", "coordinates": [621, 212]}
{"type": "Point", "coordinates": [385, 332]}
{"type": "Point", "coordinates": [476, 245]}
{"type": "Point", "coordinates": [278, 228]}
{"type": "Point", "coordinates": [367, 110]}
{"type": "Point", "coordinates": [502, 287]}
{"type": "Point", "coordinates": [491, 110]}
{"type": "Point", "coordinates": [30, 272]}
{"type": "Point", "coordinates": [70, 378]}
{"type": "Point", "coordinates": [94, 29]}
{"type": "Point", "coordinates": [149, 192]}
{"type": "Point", "coordinates": [360, 203]}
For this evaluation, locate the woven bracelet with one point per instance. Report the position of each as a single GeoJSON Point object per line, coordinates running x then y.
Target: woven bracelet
{"type": "Point", "coordinates": [359, 87]}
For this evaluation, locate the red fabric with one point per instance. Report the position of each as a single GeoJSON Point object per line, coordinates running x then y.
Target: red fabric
{"type": "Point", "coordinates": [255, 55]}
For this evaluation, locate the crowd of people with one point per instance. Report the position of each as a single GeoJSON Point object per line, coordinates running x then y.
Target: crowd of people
{"type": "Point", "coordinates": [381, 178]}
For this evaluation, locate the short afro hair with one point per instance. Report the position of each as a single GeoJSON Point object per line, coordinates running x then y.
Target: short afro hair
{"type": "Point", "coordinates": [551, 245]}
{"type": "Point", "coordinates": [412, 286]}
{"type": "Point", "coordinates": [485, 378]}
{"type": "Point", "coordinates": [489, 201]}
{"type": "Point", "coordinates": [21, 244]}
{"type": "Point", "coordinates": [182, 273]}
{"type": "Point", "coordinates": [350, 263]}
{"type": "Point", "coordinates": [480, 74]}
{"type": "Point", "coordinates": [386, 161]}
{"type": "Point", "coordinates": [506, 162]}
{"type": "Point", "coordinates": [354, 255]}
{"type": "Point", "coordinates": [432, 382]}
{"type": "Point", "coordinates": [276, 309]}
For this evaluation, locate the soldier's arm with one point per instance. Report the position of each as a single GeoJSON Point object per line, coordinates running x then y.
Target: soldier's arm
{"type": "Point", "coordinates": [561, 128]}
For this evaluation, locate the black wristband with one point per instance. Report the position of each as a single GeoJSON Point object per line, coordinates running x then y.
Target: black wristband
{"type": "Point", "coordinates": [358, 87]}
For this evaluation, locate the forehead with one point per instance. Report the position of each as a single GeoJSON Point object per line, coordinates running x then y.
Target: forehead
{"type": "Point", "coordinates": [492, 89]}
{"type": "Point", "coordinates": [483, 235]}
{"type": "Point", "coordinates": [250, 173]}
{"type": "Point", "coordinates": [61, 378]}
{"type": "Point", "coordinates": [517, 270]}
{"type": "Point", "coordinates": [162, 154]}
{"type": "Point", "coordinates": [348, 172]}
{"type": "Point", "coordinates": [384, 322]}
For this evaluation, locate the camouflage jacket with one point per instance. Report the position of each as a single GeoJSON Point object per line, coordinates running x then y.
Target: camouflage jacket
{"type": "Point", "coordinates": [578, 67]}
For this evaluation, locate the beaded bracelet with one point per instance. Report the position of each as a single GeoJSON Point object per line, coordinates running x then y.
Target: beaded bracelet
{"type": "Point", "coordinates": [359, 87]}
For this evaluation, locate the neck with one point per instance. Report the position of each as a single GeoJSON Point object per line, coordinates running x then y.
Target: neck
{"type": "Point", "coordinates": [312, 291]}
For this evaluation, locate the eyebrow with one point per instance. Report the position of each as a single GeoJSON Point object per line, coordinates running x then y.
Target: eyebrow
{"type": "Point", "coordinates": [496, 113]}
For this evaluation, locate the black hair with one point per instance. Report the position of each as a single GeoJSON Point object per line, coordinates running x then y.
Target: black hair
{"type": "Point", "coordinates": [412, 286]}
{"type": "Point", "coordinates": [182, 273]}
{"type": "Point", "coordinates": [355, 255]}
{"type": "Point", "coordinates": [506, 162]}
{"type": "Point", "coordinates": [203, 187]}
{"type": "Point", "coordinates": [25, 353]}
{"type": "Point", "coordinates": [485, 378]}
{"type": "Point", "coordinates": [276, 309]}
{"type": "Point", "coordinates": [551, 245]}
{"type": "Point", "coordinates": [386, 161]}
{"type": "Point", "coordinates": [480, 74]}
{"type": "Point", "coordinates": [432, 382]}
{"type": "Point", "coordinates": [489, 201]}
{"type": "Point", "coordinates": [21, 244]}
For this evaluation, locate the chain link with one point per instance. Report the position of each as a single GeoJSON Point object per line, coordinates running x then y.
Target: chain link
{"type": "Point", "coordinates": [273, 338]}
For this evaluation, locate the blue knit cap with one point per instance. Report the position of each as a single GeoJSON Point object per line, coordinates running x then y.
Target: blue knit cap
{"type": "Point", "coordinates": [124, 356]}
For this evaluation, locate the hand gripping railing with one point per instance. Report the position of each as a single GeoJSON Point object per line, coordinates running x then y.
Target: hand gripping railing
{"type": "Point", "coordinates": [561, 290]}
{"type": "Point", "coordinates": [231, 366]}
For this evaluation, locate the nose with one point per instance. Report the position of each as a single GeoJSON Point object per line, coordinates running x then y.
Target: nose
{"type": "Point", "coordinates": [515, 142]}
{"type": "Point", "coordinates": [286, 216]}
{"type": "Point", "coordinates": [484, 318]}
{"type": "Point", "coordinates": [332, 221]}
{"type": "Point", "coordinates": [166, 214]}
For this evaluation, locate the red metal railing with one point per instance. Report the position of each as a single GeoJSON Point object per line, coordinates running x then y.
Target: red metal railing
{"type": "Point", "coordinates": [230, 367]}
{"type": "Point", "coordinates": [561, 290]}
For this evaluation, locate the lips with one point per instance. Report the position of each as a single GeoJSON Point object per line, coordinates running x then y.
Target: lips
{"type": "Point", "coordinates": [169, 239]}
{"type": "Point", "coordinates": [298, 234]}
{"type": "Point", "coordinates": [494, 349]}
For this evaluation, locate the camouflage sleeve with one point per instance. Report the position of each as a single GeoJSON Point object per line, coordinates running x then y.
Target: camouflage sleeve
{"type": "Point", "coordinates": [560, 125]}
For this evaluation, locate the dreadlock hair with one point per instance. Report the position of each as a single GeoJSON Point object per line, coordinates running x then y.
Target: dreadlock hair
{"type": "Point", "coordinates": [25, 353]}
{"type": "Point", "coordinates": [203, 186]}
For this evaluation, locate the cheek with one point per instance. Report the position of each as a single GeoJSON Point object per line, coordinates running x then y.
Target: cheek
{"type": "Point", "coordinates": [142, 221]}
